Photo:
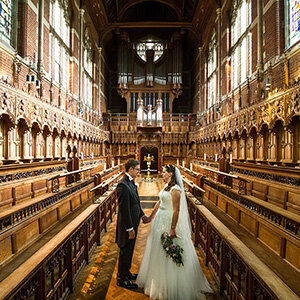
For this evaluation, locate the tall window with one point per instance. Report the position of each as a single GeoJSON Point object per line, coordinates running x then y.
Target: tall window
{"type": "Point", "coordinates": [60, 42]}
{"type": "Point", "coordinates": [88, 71]}
{"type": "Point", "coordinates": [293, 20]}
{"type": "Point", "coordinates": [211, 71]}
{"type": "Point", "coordinates": [240, 42]}
{"type": "Point", "coordinates": [6, 13]}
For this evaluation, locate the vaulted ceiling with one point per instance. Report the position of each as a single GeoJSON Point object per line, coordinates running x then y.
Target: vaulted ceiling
{"type": "Point", "coordinates": [161, 16]}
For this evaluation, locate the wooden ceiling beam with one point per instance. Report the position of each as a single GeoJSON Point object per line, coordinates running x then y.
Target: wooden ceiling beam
{"type": "Point", "coordinates": [103, 11]}
{"type": "Point", "coordinates": [173, 4]}
{"type": "Point", "coordinates": [152, 24]}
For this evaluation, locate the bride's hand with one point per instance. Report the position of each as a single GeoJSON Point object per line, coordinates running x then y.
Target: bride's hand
{"type": "Point", "coordinates": [173, 233]}
{"type": "Point", "coordinates": [146, 219]}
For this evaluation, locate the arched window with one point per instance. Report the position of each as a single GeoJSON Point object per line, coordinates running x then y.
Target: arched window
{"type": "Point", "coordinates": [60, 42]}
{"type": "Point", "coordinates": [240, 42]}
{"type": "Point", "coordinates": [293, 21]}
{"type": "Point", "coordinates": [6, 21]}
{"type": "Point", "coordinates": [87, 71]}
{"type": "Point", "coordinates": [142, 46]}
{"type": "Point", "coordinates": [211, 71]}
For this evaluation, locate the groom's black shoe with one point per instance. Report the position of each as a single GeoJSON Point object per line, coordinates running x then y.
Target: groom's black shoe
{"type": "Point", "coordinates": [132, 276]}
{"type": "Point", "coordinates": [127, 284]}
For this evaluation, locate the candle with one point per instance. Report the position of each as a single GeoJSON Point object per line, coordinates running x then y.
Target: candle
{"type": "Point", "coordinates": [183, 163]}
{"type": "Point", "coordinates": [230, 158]}
{"type": "Point", "coordinates": [113, 163]}
{"type": "Point", "coordinates": [81, 155]}
{"type": "Point", "coordinates": [204, 156]}
{"type": "Point", "coordinates": [177, 162]}
{"type": "Point", "coordinates": [118, 161]}
{"type": "Point", "coordinates": [92, 155]}
{"type": "Point", "coordinates": [104, 166]}
{"type": "Point", "coordinates": [191, 166]}
{"type": "Point", "coordinates": [216, 157]}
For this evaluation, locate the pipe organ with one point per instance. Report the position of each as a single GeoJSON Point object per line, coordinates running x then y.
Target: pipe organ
{"type": "Point", "coordinates": [149, 75]}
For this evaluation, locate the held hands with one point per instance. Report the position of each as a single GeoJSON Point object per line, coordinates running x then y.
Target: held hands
{"type": "Point", "coordinates": [146, 219]}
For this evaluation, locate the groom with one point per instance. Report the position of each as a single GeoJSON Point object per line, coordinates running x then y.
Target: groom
{"type": "Point", "coordinates": [129, 215]}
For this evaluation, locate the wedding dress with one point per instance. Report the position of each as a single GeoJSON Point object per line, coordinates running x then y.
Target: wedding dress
{"type": "Point", "coordinates": [160, 277]}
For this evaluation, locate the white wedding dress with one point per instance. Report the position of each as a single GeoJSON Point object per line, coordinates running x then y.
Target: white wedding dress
{"type": "Point", "coordinates": [160, 277]}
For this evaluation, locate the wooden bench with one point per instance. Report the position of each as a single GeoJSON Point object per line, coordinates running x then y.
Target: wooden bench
{"type": "Point", "coordinates": [274, 225]}
{"type": "Point", "coordinates": [15, 193]}
{"type": "Point", "coordinates": [280, 195]}
{"type": "Point", "coordinates": [259, 190]}
{"type": "Point", "coordinates": [277, 196]}
{"type": "Point", "coordinates": [293, 202]}
{"type": "Point", "coordinates": [84, 231]}
{"type": "Point", "coordinates": [22, 224]}
{"type": "Point", "coordinates": [222, 249]}
{"type": "Point", "coordinates": [283, 195]}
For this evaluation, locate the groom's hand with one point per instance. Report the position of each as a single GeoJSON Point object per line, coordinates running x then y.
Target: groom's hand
{"type": "Point", "coordinates": [131, 234]}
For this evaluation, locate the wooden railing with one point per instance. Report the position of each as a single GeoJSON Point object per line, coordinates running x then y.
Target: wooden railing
{"type": "Point", "coordinates": [279, 217]}
{"type": "Point", "coordinates": [104, 186]}
{"type": "Point", "coordinates": [279, 174]}
{"type": "Point", "coordinates": [74, 174]}
{"type": "Point", "coordinates": [193, 188]}
{"type": "Point", "coordinates": [226, 178]}
{"type": "Point", "coordinates": [237, 271]}
{"type": "Point", "coordinates": [50, 273]}
{"type": "Point", "coordinates": [124, 122]}
{"type": "Point", "coordinates": [274, 226]}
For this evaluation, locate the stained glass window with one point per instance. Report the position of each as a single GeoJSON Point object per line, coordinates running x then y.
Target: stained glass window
{"type": "Point", "coordinates": [240, 42]}
{"type": "Point", "coordinates": [6, 20]}
{"type": "Point", "coordinates": [294, 19]}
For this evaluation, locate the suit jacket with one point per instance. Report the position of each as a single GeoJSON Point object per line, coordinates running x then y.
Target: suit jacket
{"type": "Point", "coordinates": [130, 210]}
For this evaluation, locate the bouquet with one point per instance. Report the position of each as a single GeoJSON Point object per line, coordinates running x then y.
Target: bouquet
{"type": "Point", "coordinates": [172, 250]}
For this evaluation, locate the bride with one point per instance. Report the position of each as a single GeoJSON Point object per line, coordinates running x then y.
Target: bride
{"type": "Point", "coordinates": [160, 277]}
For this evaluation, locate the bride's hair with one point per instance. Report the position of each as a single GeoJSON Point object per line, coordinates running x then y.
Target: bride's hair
{"type": "Point", "coordinates": [170, 169]}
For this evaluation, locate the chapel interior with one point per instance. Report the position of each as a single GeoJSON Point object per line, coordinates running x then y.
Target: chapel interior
{"type": "Point", "coordinates": [212, 87]}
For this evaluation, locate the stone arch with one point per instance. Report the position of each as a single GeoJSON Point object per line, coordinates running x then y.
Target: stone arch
{"type": "Point", "coordinates": [24, 140]}
{"type": "Point", "coordinates": [6, 125]}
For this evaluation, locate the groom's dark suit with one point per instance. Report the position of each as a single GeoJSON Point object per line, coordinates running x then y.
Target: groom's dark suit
{"type": "Point", "coordinates": [129, 215]}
